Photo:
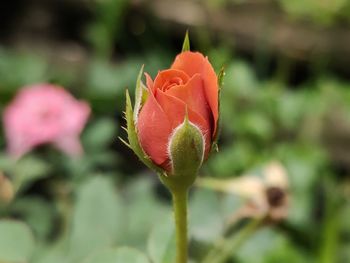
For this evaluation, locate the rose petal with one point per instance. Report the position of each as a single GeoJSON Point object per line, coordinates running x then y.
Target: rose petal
{"type": "Point", "coordinates": [149, 82]}
{"type": "Point", "coordinates": [175, 109]}
{"type": "Point", "coordinates": [70, 145]}
{"type": "Point", "coordinates": [165, 77]}
{"type": "Point", "coordinates": [18, 146]}
{"type": "Point", "coordinates": [42, 113]}
{"type": "Point", "coordinates": [192, 94]}
{"type": "Point", "coordinates": [154, 129]}
{"type": "Point", "coordinates": [193, 63]}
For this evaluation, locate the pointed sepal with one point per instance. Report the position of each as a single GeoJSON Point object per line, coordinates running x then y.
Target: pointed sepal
{"type": "Point", "coordinates": [186, 153]}
{"type": "Point", "coordinates": [134, 143]}
{"type": "Point", "coordinates": [141, 94]}
{"type": "Point", "coordinates": [221, 76]}
{"type": "Point", "coordinates": [186, 43]}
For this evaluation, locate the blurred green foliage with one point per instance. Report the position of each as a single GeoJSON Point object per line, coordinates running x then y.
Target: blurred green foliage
{"type": "Point", "coordinates": [94, 209]}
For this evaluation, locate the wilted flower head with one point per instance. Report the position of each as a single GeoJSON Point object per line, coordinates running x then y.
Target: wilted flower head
{"type": "Point", "coordinates": [266, 196]}
{"type": "Point", "coordinates": [44, 113]}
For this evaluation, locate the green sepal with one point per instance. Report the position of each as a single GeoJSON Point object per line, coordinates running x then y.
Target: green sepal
{"type": "Point", "coordinates": [186, 43]}
{"type": "Point", "coordinates": [186, 153]}
{"type": "Point", "coordinates": [140, 94]}
{"type": "Point", "coordinates": [221, 76]}
{"type": "Point", "coordinates": [134, 143]}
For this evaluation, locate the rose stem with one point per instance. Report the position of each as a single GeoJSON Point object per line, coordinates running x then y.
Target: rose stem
{"type": "Point", "coordinates": [180, 214]}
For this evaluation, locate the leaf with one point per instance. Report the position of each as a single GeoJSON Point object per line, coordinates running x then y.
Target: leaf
{"type": "Point", "coordinates": [256, 249]}
{"type": "Point", "coordinates": [161, 243]}
{"type": "Point", "coordinates": [16, 242]}
{"type": "Point", "coordinates": [99, 134]}
{"type": "Point", "coordinates": [120, 255]}
{"type": "Point", "coordinates": [6, 162]}
{"type": "Point", "coordinates": [258, 244]}
{"type": "Point", "coordinates": [186, 43]}
{"type": "Point", "coordinates": [52, 253]}
{"type": "Point", "coordinates": [206, 222]}
{"type": "Point", "coordinates": [29, 69]}
{"type": "Point", "coordinates": [28, 170]}
{"type": "Point", "coordinates": [103, 79]}
{"type": "Point", "coordinates": [241, 81]}
{"type": "Point", "coordinates": [97, 219]}
{"type": "Point", "coordinates": [144, 211]}
{"type": "Point", "coordinates": [37, 212]}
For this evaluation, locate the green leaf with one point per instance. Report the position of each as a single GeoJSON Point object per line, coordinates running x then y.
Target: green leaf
{"type": "Point", "coordinates": [97, 219]}
{"type": "Point", "coordinates": [161, 243]}
{"type": "Point", "coordinates": [37, 212]}
{"type": "Point", "coordinates": [257, 250]}
{"type": "Point", "coordinates": [186, 43]}
{"type": "Point", "coordinates": [144, 211]}
{"type": "Point", "coordinates": [16, 242]}
{"type": "Point", "coordinates": [6, 162]}
{"type": "Point", "coordinates": [52, 253]}
{"type": "Point", "coordinates": [99, 134]}
{"type": "Point", "coordinates": [28, 170]}
{"type": "Point", "coordinates": [108, 80]}
{"type": "Point", "coordinates": [241, 81]}
{"type": "Point", "coordinates": [120, 255]}
{"type": "Point", "coordinates": [206, 221]}
{"type": "Point", "coordinates": [29, 69]}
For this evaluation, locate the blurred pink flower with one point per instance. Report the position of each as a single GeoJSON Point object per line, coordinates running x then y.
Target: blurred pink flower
{"type": "Point", "coordinates": [44, 113]}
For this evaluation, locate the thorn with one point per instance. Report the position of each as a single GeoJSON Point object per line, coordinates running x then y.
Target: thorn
{"type": "Point", "coordinates": [123, 141]}
{"type": "Point", "coordinates": [216, 147]}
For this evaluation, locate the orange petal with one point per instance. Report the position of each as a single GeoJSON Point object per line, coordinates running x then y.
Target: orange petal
{"type": "Point", "coordinates": [192, 93]}
{"type": "Point", "coordinates": [193, 63]}
{"type": "Point", "coordinates": [149, 81]}
{"type": "Point", "coordinates": [175, 109]}
{"type": "Point", "coordinates": [154, 130]}
{"type": "Point", "coordinates": [165, 77]}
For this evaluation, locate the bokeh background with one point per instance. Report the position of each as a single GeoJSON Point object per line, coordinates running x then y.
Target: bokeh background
{"type": "Point", "coordinates": [285, 113]}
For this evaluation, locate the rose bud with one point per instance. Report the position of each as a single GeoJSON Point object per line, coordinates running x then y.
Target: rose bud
{"type": "Point", "coordinates": [189, 88]}
{"type": "Point", "coordinates": [173, 127]}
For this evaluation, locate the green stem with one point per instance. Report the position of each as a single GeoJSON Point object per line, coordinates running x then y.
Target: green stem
{"type": "Point", "coordinates": [180, 214]}
{"type": "Point", "coordinates": [230, 246]}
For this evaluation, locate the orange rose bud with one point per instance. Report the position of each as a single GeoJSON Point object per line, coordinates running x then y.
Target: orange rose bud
{"type": "Point", "coordinates": [191, 86]}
